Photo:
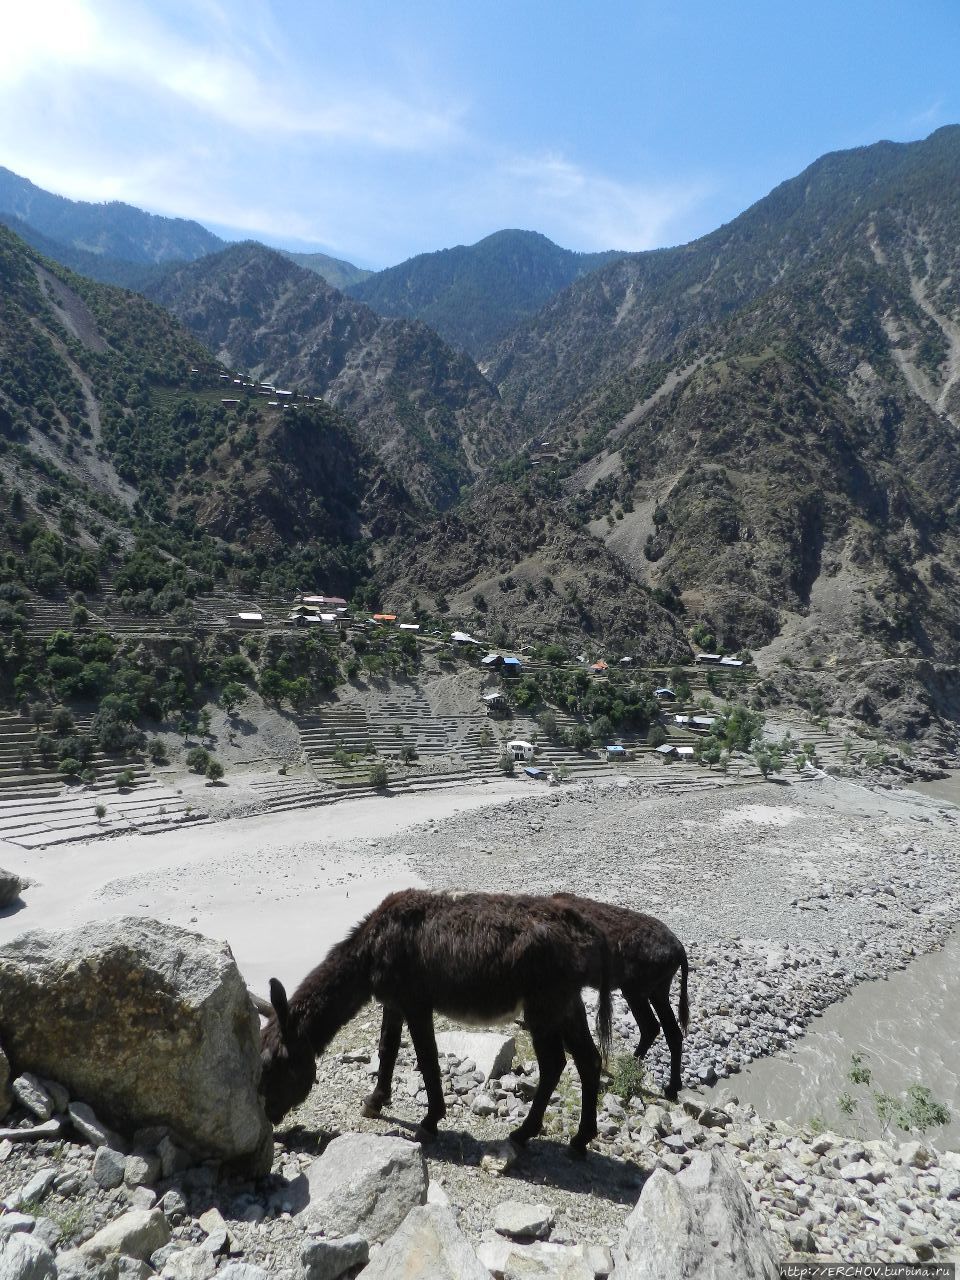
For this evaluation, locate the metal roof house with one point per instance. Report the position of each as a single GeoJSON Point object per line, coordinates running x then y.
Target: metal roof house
{"type": "Point", "coordinates": [731, 662]}
{"type": "Point", "coordinates": [707, 657]}
{"type": "Point", "coordinates": [492, 660]}
{"type": "Point", "coordinates": [665, 694]}
{"type": "Point", "coordinates": [521, 750]}
{"type": "Point", "coordinates": [615, 751]}
{"type": "Point", "coordinates": [463, 637]}
{"type": "Point", "coordinates": [512, 666]}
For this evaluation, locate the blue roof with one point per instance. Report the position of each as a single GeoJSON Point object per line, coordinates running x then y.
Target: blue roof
{"type": "Point", "coordinates": [664, 689]}
{"type": "Point", "coordinates": [514, 662]}
{"type": "Point", "coordinates": [615, 747]}
{"type": "Point", "coordinates": [533, 772]}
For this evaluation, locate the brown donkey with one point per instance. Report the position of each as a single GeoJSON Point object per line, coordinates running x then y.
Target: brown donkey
{"type": "Point", "coordinates": [471, 956]}
{"type": "Point", "coordinates": [645, 955]}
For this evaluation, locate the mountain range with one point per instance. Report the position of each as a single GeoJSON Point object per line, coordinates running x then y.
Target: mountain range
{"type": "Point", "coordinates": [747, 441]}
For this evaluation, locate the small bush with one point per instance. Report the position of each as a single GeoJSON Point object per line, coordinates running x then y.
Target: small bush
{"type": "Point", "coordinates": [101, 811]}
{"type": "Point", "coordinates": [125, 778]}
{"type": "Point", "coordinates": [378, 774]}
{"type": "Point", "coordinates": [507, 763]}
{"type": "Point", "coordinates": [198, 758]}
{"type": "Point", "coordinates": [214, 770]}
{"type": "Point", "coordinates": [626, 1077]}
{"type": "Point", "coordinates": [408, 754]}
{"type": "Point", "coordinates": [69, 767]}
{"type": "Point", "coordinates": [157, 751]}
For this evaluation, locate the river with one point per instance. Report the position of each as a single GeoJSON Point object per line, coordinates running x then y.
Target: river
{"type": "Point", "coordinates": [906, 1026]}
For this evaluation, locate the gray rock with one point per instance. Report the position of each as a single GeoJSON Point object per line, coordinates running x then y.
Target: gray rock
{"type": "Point", "coordinates": [10, 1222]}
{"type": "Point", "coordinates": [48, 1129]}
{"type": "Point", "coordinates": [699, 1223]}
{"type": "Point", "coordinates": [192, 1263]}
{"type": "Point", "coordinates": [173, 1205]}
{"type": "Point", "coordinates": [490, 1052]}
{"type": "Point", "coordinates": [328, 1259]}
{"type": "Point", "coordinates": [59, 1094]}
{"type": "Point", "coordinates": [30, 1093]}
{"type": "Point", "coordinates": [141, 1197]}
{"type": "Point", "coordinates": [363, 1183]}
{"type": "Point", "coordinates": [544, 1261]}
{"type": "Point", "coordinates": [427, 1245]}
{"type": "Point", "coordinates": [24, 1257]}
{"type": "Point", "coordinates": [87, 1124]}
{"type": "Point", "coordinates": [133, 1268]}
{"type": "Point", "coordinates": [242, 1271]}
{"type": "Point", "coordinates": [48, 1231]}
{"type": "Point", "coordinates": [137, 1234]}
{"type": "Point", "coordinates": [108, 1168]}
{"type": "Point", "coordinates": [141, 1169]}
{"type": "Point", "coordinates": [522, 1221]}
{"type": "Point", "coordinates": [148, 1023]}
{"type": "Point", "coordinates": [34, 1190]}
{"type": "Point", "coordinates": [11, 886]}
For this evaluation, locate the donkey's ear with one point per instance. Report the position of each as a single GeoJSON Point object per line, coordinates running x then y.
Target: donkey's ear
{"type": "Point", "coordinates": [278, 998]}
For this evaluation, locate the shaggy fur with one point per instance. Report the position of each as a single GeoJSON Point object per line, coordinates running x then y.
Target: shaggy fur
{"type": "Point", "coordinates": [645, 956]}
{"type": "Point", "coordinates": [471, 956]}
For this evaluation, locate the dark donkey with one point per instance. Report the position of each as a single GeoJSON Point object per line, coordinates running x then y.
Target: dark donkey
{"type": "Point", "coordinates": [645, 955]}
{"type": "Point", "coordinates": [471, 956]}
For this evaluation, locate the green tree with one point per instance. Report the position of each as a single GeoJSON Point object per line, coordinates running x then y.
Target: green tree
{"type": "Point", "coordinates": [214, 769]}
{"type": "Point", "coordinates": [378, 774]}
{"type": "Point", "coordinates": [232, 695]}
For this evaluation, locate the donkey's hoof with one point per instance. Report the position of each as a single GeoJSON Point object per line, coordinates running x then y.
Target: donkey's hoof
{"type": "Point", "coordinates": [577, 1151]}
{"type": "Point", "coordinates": [671, 1095]}
{"type": "Point", "coordinates": [424, 1135]}
{"type": "Point", "coordinates": [373, 1106]}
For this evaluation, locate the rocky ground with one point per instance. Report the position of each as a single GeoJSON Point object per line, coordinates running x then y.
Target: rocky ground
{"type": "Point", "coordinates": [785, 896]}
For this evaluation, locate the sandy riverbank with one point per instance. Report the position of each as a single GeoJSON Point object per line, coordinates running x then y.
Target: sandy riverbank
{"type": "Point", "coordinates": [280, 889]}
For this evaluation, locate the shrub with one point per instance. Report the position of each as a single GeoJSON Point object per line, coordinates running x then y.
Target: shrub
{"type": "Point", "coordinates": [507, 763]}
{"type": "Point", "coordinates": [580, 737]}
{"type": "Point", "coordinates": [214, 770]}
{"type": "Point", "coordinates": [626, 1077]}
{"type": "Point", "coordinates": [198, 759]}
{"type": "Point", "coordinates": [157, 751]}
{"type": "Point", "coordinates": [61, 721]}
{"type": "Point", "coordinates": [125, 778]}
{"type": "Point", "coordinates": [101, 811]}
{"type": "Point", "coordinates": [378, 774]}
{"type": "Point", "coordinates": [408, 754]}
{"type": "Point", "coordinates": [70, 768]}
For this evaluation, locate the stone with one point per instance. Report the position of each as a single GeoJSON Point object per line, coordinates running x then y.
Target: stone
{"type": "Point", "coordinates": [436, 1194]}
{"type": "Point", "coordinates": [328, 1259]}
{"type": "Point", "coordinates": [491, 1052]}
{"type": "Point", "coordinates": [242, 1271]}
{"type": "Point", "coordinates": [506, 1258]}
{"type": "Point", "coordinates": [24, 1257]}
{"type": "Point", "coordinates": [149, 1024]}
{"type": "Point", "coordinates": [173, 1205]}
{"type": "Point", "coordinates": [10, 1222]}
{"type": "Point", "coordinates": [141, 1197]}
{"type": "Point", "coordinates": [48, 1231]}
{"type": "Point", "coordinates": [483, 1105]}
{"type": "Point", "coordinates": [137, 1234]}
{"type": "Point", "coordinates": [522, 1221]}
{"type": "Point", "coordinates": [141, 1169]}
{"type": "Point", "coordinates": [363, 1183]}
{"type": "Point", "coordinates": [85, 1122]}
{"type": "Point", "coordinates": [429, 1245]}
{"type": "Point", "coordinates": [699, 1223]}
{"type": "Point", "coordinates": [192, 1263]}
{"type": "Point", "coordinates": [856, 1169]}
{"type": "Point", "coordinates": [133, 1268]}
{"type": "Point", "coordinates": [915, 1154]}
{"type": "Point", "coordinates": [34, 1190]}
{"type": "Point", "coordinates": [49, 1129]}
{"type": "Point", "coordinates": [59, 1094]}
{"type": "Point", "coordinates": [500, 1158]}
{"type": "Point", "coordinates": [11, 887]}
{"type": "Point", "coordinates": [30, 1093]}
{"type": "Point", "coordinates": [109, 1167]}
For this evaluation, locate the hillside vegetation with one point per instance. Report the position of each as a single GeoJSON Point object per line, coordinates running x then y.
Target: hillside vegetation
{"type": "Point", "coordinates": [473, 295]}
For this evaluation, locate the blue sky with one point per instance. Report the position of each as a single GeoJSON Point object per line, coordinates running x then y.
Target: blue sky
{"type": "Point", "coordinates": [376, 130]}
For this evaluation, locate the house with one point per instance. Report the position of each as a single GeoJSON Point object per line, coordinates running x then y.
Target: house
{"type": "Point", "coordinates": [512, 667]}
{"type": "Point", "coordinates": [492, 661]}
{"type": "Point", "coordinates": [409, 626]}
{"type": "Point", "coordinates": [462, 637]}
{"type": "Point", "coordinates": [665, 694]}
{"type": "Point", "coordinates": [731, 662]}
{"type": "Point", "coordinates": [249, 618]}
{"type": "Point", "coordinates": [615, 752]}
{"type": "Point", "coordinates": [230, 404]}
{"type": "Point", "coordinates": [707, 657]}
{"type": "Point", "coordinates": [533, 772]}
{"type": "Point", "coordinates": [703, 722]}
{"type": "Point", "coordinates": [685, 753]}
{"type": "Point", "coordinates": [384, 617]}
{"type": "Point", "coordinates": [521, 750]}
{"type": "Point", "coordinates": [665, 752]}
{"type": "Point", "coordinates": [496, 702]}
{"type": "Point", "coordinates": [599, 668]}
{"type": "Point", "coordinates": [626, 662]}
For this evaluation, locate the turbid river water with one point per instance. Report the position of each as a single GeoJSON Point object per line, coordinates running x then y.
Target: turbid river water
{"type": "Point", "coordinates": [907, 1027]}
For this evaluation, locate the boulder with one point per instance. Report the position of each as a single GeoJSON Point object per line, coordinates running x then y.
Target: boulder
{"type": "Point", "coordinates": [24, 1257]}
{"type": "Point", "coordinates": [148, 1023]}
{"type": "Point", "coordinates": [428, 1244]}
{"type": "Point", "coordinates": [363, 1184]}
{"type": "Point", "coordinates": [192, 1263]}
{"type": "Point", "coordinates": [492, 1052]}
{"type": "Point", "coordinates": [31, 1094]}
{"type": "Point", "coordinates": [136, 1234]}
{"type": "Point", "coordinates": [506, 1258]}
{"type": "Point", "coordinates": [11, 886]}
{"type": "Point", "coordinates": [698, 1223]}
{"type": "Point", "coordinates": [329, 1259]}
{"type": "Point", "coordinates": [5, 1096]}
{"type": "Point", "coordinates": [521, 1221]}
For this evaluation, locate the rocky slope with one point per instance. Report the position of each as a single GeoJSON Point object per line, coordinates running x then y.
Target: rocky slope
{"type": "Point", "coordinates": [423, 408]}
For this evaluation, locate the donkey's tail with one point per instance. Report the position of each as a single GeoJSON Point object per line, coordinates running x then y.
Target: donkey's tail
{"type": "Point", "coordinates": [605, 1002]}
{"type": "Point", "coordinates": [684, 1008]}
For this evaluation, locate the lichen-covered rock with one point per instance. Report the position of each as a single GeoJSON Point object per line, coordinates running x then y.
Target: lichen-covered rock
{"type": "Point", "coordinates": [148, 1023]}
{"type": "Point", "coordinates": [136, 1234]}
{"type": "Point", "coordinates": [700, 1224]}
{"type": "Point", "coordinates": [428, 1244]}
{"type": "Point", "coordinates": [24, 1257]}
{"type": "Point", "coordinates": [364, 1184]}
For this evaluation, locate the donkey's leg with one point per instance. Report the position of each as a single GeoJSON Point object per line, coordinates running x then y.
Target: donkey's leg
{"type": "Point", "coordinates": [420, 1022]}
{"type": "Point", "coordinates": [390, 1029]}
{"type": "Point", "coordinates": [649, 1026]}
{"type": "Point", "coordinates": [660, 999]}
{"type": "Point", "coordinates": [548, 1046]}
{"type": "Point", "coordinates": [586, 1057]}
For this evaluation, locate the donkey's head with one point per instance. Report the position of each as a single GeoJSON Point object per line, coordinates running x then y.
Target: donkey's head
{"type": "Point", "coordinates": [287, 1057]}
